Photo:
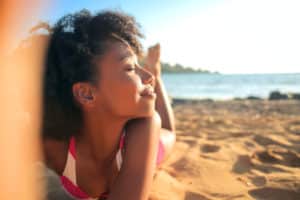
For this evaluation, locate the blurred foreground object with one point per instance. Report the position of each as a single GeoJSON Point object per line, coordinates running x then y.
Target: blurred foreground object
{"type": "Point", "coordinates": [20, 102]}
{"type": "Point", "coordinates": [52, 183]}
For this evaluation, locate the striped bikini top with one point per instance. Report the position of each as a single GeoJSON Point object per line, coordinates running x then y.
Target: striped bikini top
{"type": "Point", "coordinates": [68, 178]}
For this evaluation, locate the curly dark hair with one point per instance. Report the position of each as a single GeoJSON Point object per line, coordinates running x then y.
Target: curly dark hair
{"type": "Point", "coordinates": [75, 41]}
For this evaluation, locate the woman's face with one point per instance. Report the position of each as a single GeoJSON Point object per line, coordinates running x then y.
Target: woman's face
{"type": "Point", "coordinates": [124, 88]}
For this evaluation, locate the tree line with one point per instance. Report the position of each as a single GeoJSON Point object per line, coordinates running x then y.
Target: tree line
{"type": "Point", "coordinates": [178, 68]}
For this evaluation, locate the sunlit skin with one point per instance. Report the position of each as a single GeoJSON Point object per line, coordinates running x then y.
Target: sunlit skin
{"type": "Point", "coordinates": [162, 104]}
{"type": "Point", "coordinates": [122, 98]}
{"type": "Point", "coordinates": [124, 89]}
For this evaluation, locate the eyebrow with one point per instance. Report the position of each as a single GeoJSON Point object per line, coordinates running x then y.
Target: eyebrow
{"type": "Point", "coordinates": [127, 55]}
{"type": "Point", "coordinates": [124, 56]}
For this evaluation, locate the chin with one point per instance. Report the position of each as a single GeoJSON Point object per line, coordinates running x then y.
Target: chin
{"type": "Point", "coordinates": [147, 111]}
{"type": "Point", "coordinates": [150, 113]}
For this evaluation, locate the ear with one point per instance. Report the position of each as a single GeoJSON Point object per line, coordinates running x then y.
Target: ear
{"type": "Point", "coordinates": [84, 94]}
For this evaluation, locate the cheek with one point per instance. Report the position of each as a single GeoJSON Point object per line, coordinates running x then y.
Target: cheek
{"type": "Point", "coordinates": [122, 95]}
{"type": "Point", "coordinates": [131, 103]}
{"type": "Point", "coordinates": [128, 91]}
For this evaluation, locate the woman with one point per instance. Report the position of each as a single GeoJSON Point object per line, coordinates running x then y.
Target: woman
{"type": "Point", "coordinates": [101, 132]}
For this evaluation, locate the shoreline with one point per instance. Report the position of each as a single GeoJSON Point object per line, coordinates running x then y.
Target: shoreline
{"type": "Point", "coordinates": [273, 96]}
{"type": "Point", "coordinates": [179, 101]}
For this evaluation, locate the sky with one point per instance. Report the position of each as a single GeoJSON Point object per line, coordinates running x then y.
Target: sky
{"type": "Point", "coordinates": [228, 36]}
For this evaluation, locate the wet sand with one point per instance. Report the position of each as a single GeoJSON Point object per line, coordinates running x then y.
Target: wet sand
{"type": "Point", "coordinates": [233, 150]}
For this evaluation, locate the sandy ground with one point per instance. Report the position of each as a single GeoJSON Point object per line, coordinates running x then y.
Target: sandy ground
{"type": "Point", "coordinates": [233, 150]}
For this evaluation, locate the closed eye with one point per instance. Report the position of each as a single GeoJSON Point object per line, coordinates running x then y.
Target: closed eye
{"type": "Point", "coordinates": [130, 68]}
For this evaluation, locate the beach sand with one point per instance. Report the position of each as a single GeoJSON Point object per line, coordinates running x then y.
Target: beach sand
{"type": "Point", "coordinates": [238, 149]}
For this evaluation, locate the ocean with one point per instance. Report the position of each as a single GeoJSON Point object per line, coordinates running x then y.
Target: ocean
{"type": "Point", "coordinates": [225, 86]}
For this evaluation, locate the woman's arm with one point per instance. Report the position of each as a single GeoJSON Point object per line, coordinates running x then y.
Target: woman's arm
{"type": "Point", "coordinates": [163, 106]}
{"type": "Point", "coordinates": [138, 167]}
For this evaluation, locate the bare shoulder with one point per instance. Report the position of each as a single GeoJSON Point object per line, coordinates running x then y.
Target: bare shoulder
{"type": "Point", "coordinates": [55, 154]}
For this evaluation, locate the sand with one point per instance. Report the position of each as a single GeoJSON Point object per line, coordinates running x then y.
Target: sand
{"type": "Point", "coordinates": [238, 149]}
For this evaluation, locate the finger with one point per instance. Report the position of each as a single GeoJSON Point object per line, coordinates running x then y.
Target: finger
{"type": "Point", "coordinates": [152, 49]}
{"type": "Point", "coordinates": [158, 47]}
{"type": "Point", "coordinates": [157, 50]}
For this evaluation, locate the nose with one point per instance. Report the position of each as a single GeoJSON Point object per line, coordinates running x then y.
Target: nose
{"type": "Point", "coordinates": [146, 76]}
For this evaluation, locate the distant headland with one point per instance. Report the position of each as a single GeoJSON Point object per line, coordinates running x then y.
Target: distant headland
{"type": "Point", "coordinates": [178, 68]}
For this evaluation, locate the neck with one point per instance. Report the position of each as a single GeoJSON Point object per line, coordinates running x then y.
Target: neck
{"type": "Point", "coordinates": [100, 137]}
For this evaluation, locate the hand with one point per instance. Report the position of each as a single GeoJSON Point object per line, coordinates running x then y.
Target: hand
{"type": "Point", "coordinates": [152, 61]}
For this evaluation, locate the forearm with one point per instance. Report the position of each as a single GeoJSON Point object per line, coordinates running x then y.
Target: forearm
{"type": "Point", "coordinates": [163, 106]}
{"type": "Point", "coordinates": [136, 175]}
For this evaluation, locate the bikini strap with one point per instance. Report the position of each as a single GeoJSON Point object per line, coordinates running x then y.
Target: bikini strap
{"type": "Point", "coordinates": [70, 167]}
{"type": "Point", "coordinates": [119, 157]}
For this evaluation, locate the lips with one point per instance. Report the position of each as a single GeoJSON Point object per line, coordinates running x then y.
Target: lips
{"type": "Point", "coordinates": [148, 91]}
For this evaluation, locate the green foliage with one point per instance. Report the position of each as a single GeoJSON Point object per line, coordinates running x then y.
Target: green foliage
{"type": "Point", "coordinates": [177, 68]}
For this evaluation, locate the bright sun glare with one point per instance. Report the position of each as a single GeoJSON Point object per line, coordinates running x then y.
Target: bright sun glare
{"type": "Point", "coordinates": [238, 36]}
